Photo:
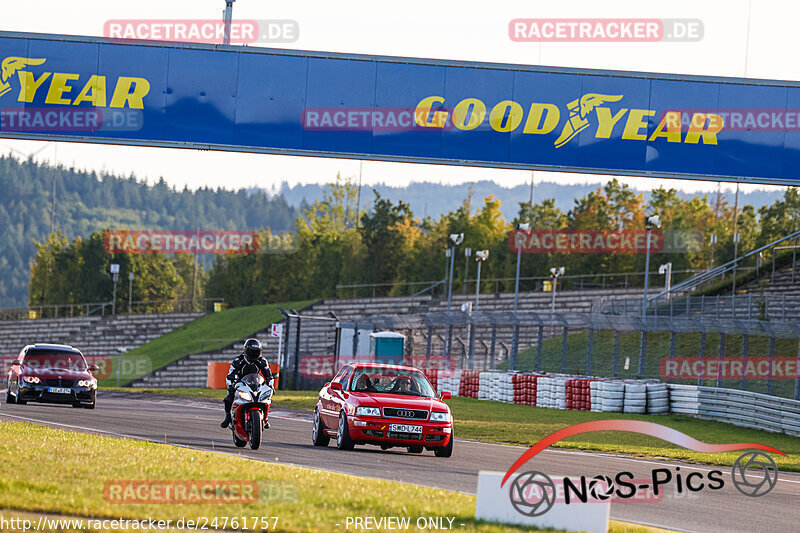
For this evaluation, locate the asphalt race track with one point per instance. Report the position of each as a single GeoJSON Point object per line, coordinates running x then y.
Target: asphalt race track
{"type": "Point", "coordinates": [161, 419]}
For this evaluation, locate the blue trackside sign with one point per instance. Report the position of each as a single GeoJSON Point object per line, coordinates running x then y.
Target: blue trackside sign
{"type": "Point", "coordinates": [398, 109]}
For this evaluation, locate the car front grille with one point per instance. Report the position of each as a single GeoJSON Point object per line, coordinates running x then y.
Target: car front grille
{"type": "Point", "coordinates": [434, 438]}
{"type": "Point", "coordinates": [415, 414]}
{"type": "Point", "coordinates": [59, 382]}
{"type": "Point", "coordinates": [373, 433]}
{"type": "Point", "coordinates": [404, 436]}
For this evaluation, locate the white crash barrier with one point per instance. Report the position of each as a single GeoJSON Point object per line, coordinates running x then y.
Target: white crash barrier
{"type": "Point", "coordinates": [608, 395]}
{"type": "Point", "coordinates": [738, 407]}
{"type": "Point", "coordinates": [494, 505]}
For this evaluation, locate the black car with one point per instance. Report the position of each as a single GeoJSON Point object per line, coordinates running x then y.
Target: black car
{"type": "Point", "coordinates": [51, 373]}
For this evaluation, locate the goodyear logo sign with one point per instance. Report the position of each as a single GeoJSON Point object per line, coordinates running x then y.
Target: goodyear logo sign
{"type": "Point", "coordinates": [591, 109]}
{"type": "Point", "coordinates": [66, 88]}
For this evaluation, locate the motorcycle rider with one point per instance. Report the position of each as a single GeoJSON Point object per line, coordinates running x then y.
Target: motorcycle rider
{"type": "Point", "coordinates": [249, 362]}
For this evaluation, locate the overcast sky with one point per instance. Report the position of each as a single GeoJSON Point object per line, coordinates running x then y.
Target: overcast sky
{"type": "Point", "coordinates": [465, 30]}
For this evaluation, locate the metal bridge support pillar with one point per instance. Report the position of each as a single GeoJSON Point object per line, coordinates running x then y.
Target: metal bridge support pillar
{"type": "Point", "coordinates": [771, 363]}
{"type": "Point", "coordinates": [745, 353]}
{"type": "Point", "coordinates": [429, 340]}
{"type": "Point", "coordinates": [494, 345]}
{"type": "Point", "coordinates": [642, 355]}
{"type": "Point", "coordinates": [721, 355]}
{"type": "Point", "coordinates": [539, 349]}
{"type": "Point", "coordinates": [702, 352]}
{"type": "Point", "coordinates": [512, 360]}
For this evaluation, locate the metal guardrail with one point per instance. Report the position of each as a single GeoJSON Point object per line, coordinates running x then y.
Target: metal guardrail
{"type": "Point", "coordinates": [741, 408]}
{"type": "Point", "coordinates": [707, 275]}
{"type": "Point", "coordinates": [750, 306]}
{"type": "Point", "coordinates": [566, 282]}
{"type": "Point", "coordinates": [70, 310]}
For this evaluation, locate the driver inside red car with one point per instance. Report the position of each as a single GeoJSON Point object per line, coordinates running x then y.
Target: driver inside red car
{"type": "Point", "coordinates": [364, 385]}
{"type": "Point", "coordinates": [404, 384]}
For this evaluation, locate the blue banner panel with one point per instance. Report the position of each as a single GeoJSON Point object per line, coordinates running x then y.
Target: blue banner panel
{"type": "Point", "coordinates": [84, 89]}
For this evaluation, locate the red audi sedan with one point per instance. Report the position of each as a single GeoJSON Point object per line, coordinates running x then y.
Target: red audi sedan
{"type": "Point", "coordinates": [385, 405]}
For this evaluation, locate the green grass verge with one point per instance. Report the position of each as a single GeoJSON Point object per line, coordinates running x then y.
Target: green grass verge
{"type": "Point", "coordinates": [71, 482]}
{"type": "Point", "coordinates": [210, 332]}
{"type": "Point", "coordinates": [658, 347]}
{"type": "Point", "coordinates": [525, 425]}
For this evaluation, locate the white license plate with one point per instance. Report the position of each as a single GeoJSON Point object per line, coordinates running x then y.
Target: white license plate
{"type": "Point", "coordinates": [59, 390]}
{"type": "Point", "coordinates": [405, 428]}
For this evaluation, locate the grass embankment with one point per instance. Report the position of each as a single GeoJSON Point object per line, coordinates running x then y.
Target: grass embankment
{"type": "Point", "coordinates": [72, 482]}
{"type": "Point", "coordinates": [525, 425]}
{"type": "Point", "coordinates": [209, 332]}
{"type": "Point", "coordinates": [658, 348]}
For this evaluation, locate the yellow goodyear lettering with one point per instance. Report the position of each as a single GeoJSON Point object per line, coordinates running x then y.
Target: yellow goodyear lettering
{"type": "Point", "coordinates": [131, 91]}
{"type": "Point", "coordinates": [704, 126]}
{"type": "Point", "coordinates": [97, 86]}
{"type": "Point", "coordinates": [635, 124]}
{"type": "Point", "coordinates": [59, 87]}
{"type": "Point", "coordinates": [543, 118]}
{"type": "Point", "coordinates": [29, 85]}
{"type": "Point", "coordinates": [128, 92]}
{"type": "Point", "coordinates": [497, 118]}
{"type": "Point", "coordinates": [469, 113]}
{"type": "Point", "coordinates": [422, 114]}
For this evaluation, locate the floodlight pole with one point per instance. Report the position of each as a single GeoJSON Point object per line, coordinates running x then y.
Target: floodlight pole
{"type": "Point", "coordinates": [649, 229]}
{"type": "Point", "coordinates": [480, 257]}
{"type": "Point", "coordinates": [228, 17]}
{"type": "Point", "coordinates": [520, 227]}
{"type": "Point", "coordinates": [450, 281]}
{"type": "Point", "coordinates": [478, 285]}
{"type": "Point", "coordinates": [130, 291]}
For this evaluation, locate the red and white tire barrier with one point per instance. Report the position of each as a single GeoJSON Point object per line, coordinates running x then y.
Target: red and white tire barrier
{"type": "Point", "coordinates": [555, 391]}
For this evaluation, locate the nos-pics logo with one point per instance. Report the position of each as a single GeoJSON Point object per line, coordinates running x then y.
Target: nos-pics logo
{"type": "Point", "coordinates": [533, 493]}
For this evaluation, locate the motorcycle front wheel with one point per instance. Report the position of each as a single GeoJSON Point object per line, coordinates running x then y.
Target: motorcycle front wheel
{"type": "Point", "coordinates": [256, 426]}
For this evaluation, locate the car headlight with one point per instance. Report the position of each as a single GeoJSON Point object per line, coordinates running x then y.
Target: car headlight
{"type": "Point", "coordinates": [245, 395]}
{"type": "Point", "coordinates": [368, 411]}
{"type": "Point", "coordinates": [440, 417]}
{"type": "Point", "coordinates": [31, 379]}
{"type": "Point", "coordinates": [90, 383]}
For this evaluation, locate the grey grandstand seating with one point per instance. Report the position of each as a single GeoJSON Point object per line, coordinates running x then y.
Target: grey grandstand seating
{"type": "Point", "coordinates": [92, 335]}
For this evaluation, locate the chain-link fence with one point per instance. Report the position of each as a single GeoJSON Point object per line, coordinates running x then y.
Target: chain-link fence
{"type": "Point", "coordinates": [755, 355]}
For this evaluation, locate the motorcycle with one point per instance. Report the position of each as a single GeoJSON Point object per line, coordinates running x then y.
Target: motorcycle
{"type": "Point", "coordinates": [250, 410]}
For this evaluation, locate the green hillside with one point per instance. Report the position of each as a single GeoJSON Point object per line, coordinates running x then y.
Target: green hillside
{"type": "Point", "coordinates": [88, 201]}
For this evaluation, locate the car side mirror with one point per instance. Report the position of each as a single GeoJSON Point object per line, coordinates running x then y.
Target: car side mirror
{"type": "Point", "coordinates": [446, 395]}
{"type": "Point", "coordinates": [93, 368]}
{"type": "Point", "coordinates": [336, 386]}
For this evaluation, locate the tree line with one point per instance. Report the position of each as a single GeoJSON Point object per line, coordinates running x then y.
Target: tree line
{"type": "Point", "coordinates": [87, 202]}
{"type": "Point", "coordinates": [335, 242]}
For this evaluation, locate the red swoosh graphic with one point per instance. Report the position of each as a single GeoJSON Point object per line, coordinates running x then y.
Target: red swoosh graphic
{"type": "Point", "coordinates": [634, 426]}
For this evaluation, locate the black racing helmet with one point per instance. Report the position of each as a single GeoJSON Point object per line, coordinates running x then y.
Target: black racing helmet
{"type": "Point", "coordinates": [252, 350]}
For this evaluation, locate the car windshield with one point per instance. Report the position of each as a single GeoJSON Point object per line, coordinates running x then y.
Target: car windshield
{"type": "Point", "coordinates": [391, 381]}
{"type": "Point", "coordinates": [54, 360]}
